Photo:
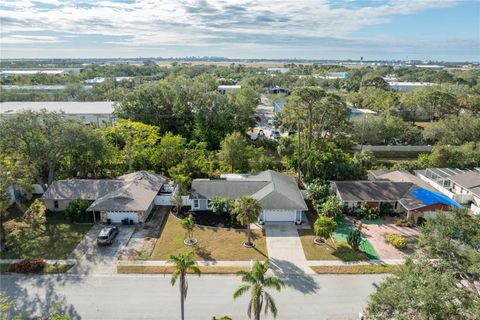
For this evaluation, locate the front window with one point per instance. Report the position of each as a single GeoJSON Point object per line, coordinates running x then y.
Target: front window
{"type": "Point", "coordinates": [195, 203]}
{"type": "Point", "coordinates": [55, 204]}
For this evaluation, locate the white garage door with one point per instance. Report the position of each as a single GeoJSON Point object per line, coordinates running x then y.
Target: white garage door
{"type": "Point", "coordinates": [118, 216]}
{"type": "Point", "coordinates": [279, 215]}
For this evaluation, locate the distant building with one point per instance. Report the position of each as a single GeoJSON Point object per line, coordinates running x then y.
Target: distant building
{"type": "Point", "coordinates": [278, 90]}
{"type": "Point", "coordinates": [429, 66]}
{"type": "Point", "coordinates": [408, 86]}
{"type": "Point", "coordinates": [281, 70]}
{"type": "Point", "coordinates": [223, 89]}
{"type": "Point", "coordinates": [358, 113]}
{"type": "Point", "coordinates": [40, 88]}
{"type": "Point", "coordinates": [61, 72]}
{"type": "Point", "coordinates": [96, 112]}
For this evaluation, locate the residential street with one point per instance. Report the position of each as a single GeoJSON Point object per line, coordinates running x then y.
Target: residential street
{"type": "Point", "coordinates": [152, 296]}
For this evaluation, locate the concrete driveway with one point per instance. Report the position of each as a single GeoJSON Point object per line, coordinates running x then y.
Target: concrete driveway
{"type": "Point", "coordinates": [285, 249]}
{"type": "Point", "coordinates": [92, 258]}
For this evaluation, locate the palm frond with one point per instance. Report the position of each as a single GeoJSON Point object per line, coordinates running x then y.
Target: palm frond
{"type": "Point", "coordinates": [241, 290]}
{"type": "Point", "coordinates": [270, 305]}
{"type": "Point", "coordinates": [273, 282]}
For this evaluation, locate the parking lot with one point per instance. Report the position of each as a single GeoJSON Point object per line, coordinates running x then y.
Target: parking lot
{"type": "Point", "coordinates": [100, 259]}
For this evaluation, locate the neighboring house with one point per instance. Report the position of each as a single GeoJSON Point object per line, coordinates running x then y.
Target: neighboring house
{"type": "Point", "coordinates": [408, 86]}
{"type": "Point", "coordinates": [278, 90]}
{"type": "Point", "coordinates": [360, 113]}
{"type": "Point", "coordinates": [404, 197]}
{"type": "Point", "coordinates": [131, 196]}
{"type": "Point", "coordinates": [460, 185]}
{"type": "Point", "coordinates": [278, 194]}
{"type": "Point", "coordinates": [228, 88]}
{"type": "Point", "coordinates": [96, 112]}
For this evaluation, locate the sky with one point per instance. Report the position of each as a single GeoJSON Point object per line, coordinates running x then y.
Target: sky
{"type": "Point", "coordinates": [441, 30]}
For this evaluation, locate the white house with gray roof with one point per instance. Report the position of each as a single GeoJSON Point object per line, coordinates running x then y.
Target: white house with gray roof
{"type": "Point", "coordinates": [278, 194]}
{"type": "Point", "coordinates": [88, 112]}
{"type": "Point", "coordinates": [131, 196]}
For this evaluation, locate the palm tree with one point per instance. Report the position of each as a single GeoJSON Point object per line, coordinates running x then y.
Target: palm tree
{"type": "Point", "coordinates": [183, 263]}
{"type": "Point", "coordinates": [247, 209]}
{"type": "Point", "coordinates": [256, 282]}
{"type": "Point", "coordinates": [188, 224]}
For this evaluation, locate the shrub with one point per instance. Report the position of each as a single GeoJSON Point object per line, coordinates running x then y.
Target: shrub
{"type": "Point", "coordinates": [421, 221]}
{"type": "Point", "coordinates": [28, 266]}
{"type": "Point", "coordinates": [354, 239]}
{"type": "Point", "coordinates": [386, 209]}
{"type": "Point", "coordinates": [406, 222]}
{"type": "Point", "coordinates": [398, 241]}
{"type": "Point", "coordinates": [77, 210]}
{"type": "Point", "coordinates": [324, 227]}
{"type": "Point", "coordinates": [371, 213]}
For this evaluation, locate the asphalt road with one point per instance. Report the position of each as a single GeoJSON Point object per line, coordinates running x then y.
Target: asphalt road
{"type": "Point", "coordinates": [152, 296]}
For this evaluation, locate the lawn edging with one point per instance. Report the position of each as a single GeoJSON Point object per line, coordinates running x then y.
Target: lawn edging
{"type": "Point", "coordinates": [146, 269]}
{"type": "Point", "coordinates": [356, 269]}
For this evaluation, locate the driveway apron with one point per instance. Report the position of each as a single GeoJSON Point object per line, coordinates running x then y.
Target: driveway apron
{"type": "Point", "coordinates": [285, 249]}
{"type": "Point", "coordinates": [92, 258]}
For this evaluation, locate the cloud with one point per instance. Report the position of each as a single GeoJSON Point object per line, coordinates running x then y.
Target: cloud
{"type": "Point", "coordinates": [22, 39]}
{"type": "Point", "coordinates": [201, 23]}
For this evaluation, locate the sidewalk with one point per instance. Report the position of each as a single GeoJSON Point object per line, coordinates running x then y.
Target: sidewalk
{"type": "Point", "coordinates": [49, 261]}
{"type": "Point", "coordinates": [310, 263]}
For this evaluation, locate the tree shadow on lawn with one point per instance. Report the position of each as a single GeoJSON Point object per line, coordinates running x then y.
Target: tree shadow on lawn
{"type": "Point", "coordinates": [345, 253]}
{"type": "Point", "coordinates": [293, 276]}
{"type": "Point", "coordinates": [29, 304]}
{"type": "Point", "coordinates": [202, 252]}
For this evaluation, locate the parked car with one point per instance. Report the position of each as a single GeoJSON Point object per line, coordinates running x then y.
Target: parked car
{"type": "Point", "coordinates": [106, 235]}
{"type": "Point", "coordinates": [275, 134]}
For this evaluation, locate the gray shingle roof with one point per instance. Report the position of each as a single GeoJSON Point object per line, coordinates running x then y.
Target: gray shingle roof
{"type": "Point", "coordinates": [274, 190]}
{"type": "Point", "coordinates": [132, 192]}
{"type": "Point", "coordinates": [353, 191]}
{"type": "Point", "coordinates": [469, 180]}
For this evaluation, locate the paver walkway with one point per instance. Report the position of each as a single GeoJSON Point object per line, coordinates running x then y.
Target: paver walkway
{"type": "Point", "coordinates": [375, 234]}
{"type": "Point", "coordinates": [285, 249]}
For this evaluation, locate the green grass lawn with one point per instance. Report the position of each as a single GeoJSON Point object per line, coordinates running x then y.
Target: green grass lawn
{"type": "Point", "coordinates": [330, 251]}
{"type": "Point", "coordinates": [342, 251]}
{"type": "Point", "coordinates": [213, 244]}
{"type": "Point", "coordinates": [56, 240]}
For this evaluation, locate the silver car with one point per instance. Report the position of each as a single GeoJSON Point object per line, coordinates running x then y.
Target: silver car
{"type": "Point", "coordinates": [106, 236]}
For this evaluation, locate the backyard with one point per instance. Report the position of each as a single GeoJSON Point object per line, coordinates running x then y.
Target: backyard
{"type": "Point", "coordinates": [213, 243]}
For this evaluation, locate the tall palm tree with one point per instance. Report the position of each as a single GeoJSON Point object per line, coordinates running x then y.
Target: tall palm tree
{"type": "Point", "coordinates": [247, 209]}
{"type": "Point", "coordinates": [183, 263]}
{"type": "Point", "coordinates": [256, 282]}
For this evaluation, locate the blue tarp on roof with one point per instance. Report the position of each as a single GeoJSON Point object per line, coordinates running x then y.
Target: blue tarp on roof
{"type": "Point", "coordinates": [429, 197]}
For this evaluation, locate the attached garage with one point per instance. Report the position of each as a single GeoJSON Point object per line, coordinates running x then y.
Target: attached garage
{"type": "Point", "coordinates": [118, 216]}
{"type": "Point", "coordinates": [279, 215]}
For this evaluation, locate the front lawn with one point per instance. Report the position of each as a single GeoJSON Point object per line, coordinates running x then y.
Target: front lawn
{"type": "Point", "coordinates": [213, 243]}
{"type": "Point", "coordinates": [56, 240]}
{"type": "Point", "coordinates": [327, 251]}
{"type": "Point", "coordinates": [342, 251]}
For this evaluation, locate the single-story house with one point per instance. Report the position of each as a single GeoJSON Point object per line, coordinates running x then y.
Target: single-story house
{"type": "Point", "coordinates": [131, 196]}
{"type": "Point", "coordinates": [278, 194]}
{"type": "Point", "coordinates": [404, 197]}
